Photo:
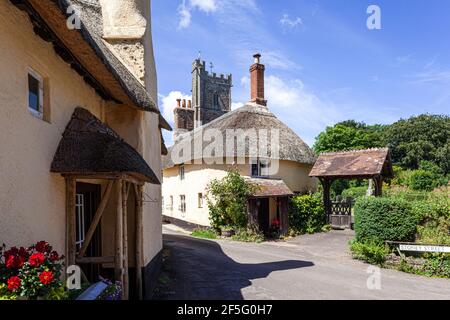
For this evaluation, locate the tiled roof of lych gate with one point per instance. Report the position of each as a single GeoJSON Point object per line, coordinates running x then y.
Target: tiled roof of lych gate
{"type": "Point", "coordinates": [359, 163]}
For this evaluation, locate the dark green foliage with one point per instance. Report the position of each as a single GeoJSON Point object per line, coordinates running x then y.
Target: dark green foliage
{"type": "Point", "coordinates": [369, 251]}
{"type": "Point", "coordinates": [355, 192]}
{"type": "Point", "coordinates": [381, 219]}
{"type": "Point", "coordinates": [422, 180]}
{"type": "Point", "coordinates": [425, 137]}
{"type": "Point", "coordinates": [307, 214]}
{"type": "Point", "coordinates": [227, 201]}
{"type": "Point", "coordinates": [349, 135]}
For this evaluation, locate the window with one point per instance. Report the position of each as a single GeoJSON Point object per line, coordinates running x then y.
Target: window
{"type": "Point", "coordinates": [200, 200]}
{"type": "Point", "coordinates": [171, 203]}
{"type": "Point", "coordinates": [216, 102]}
{"type": "Point", "coordinates": [181, 172]}
{"type": "Point", "coordinates": [183, 203]}
{"type": "Point", "coordinates": [79, 207]}
{"type": "Point", "coordinates": [35, 94]}
{"type": "Point", "coordinates": [260, 168]}
{"type": "Point", "coordinates": [162, 202]}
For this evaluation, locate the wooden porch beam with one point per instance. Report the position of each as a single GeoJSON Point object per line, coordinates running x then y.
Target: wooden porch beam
{"type": "Point", "coordinates": [139, 231]}
{"type": "Point", "coordinates": [125, 189]}
{"type": "Point", "coordinates": [118, 270]}
{"type": "Point", "coordinates": [96, 219]}
{"type": "Point", "coordinates": [71, 222]}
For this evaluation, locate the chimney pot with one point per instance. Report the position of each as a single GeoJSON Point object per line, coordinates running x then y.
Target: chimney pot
{"type": "Point", "coordinates": [189, 104]}
{"type": "Point", "coordinates": [184, 103]}
{"type": "Point", "coordinates": [178, 103]}
{"type": "Point", "coordinates": [257, 58]}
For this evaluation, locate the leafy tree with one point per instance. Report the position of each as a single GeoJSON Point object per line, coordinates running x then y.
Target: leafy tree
{"type": "Point", "coordinates": [425, 137]}
{"type": "Point", "coordinates": [227, 201]}
{"type": "Point", "coordinates": [350, 135]}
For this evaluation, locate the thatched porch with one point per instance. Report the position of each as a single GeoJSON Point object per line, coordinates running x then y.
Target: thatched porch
{"type": "Point", "coordinates": [90, 151]}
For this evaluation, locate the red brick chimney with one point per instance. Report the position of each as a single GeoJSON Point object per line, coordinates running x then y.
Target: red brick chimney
{"type": "Point", "coordinates": [257, 81]}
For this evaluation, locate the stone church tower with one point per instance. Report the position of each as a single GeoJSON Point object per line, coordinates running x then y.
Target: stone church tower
{"type": "Point", "coordinates": [211, 98]}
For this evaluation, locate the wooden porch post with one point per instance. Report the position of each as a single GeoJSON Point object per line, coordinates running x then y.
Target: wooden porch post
{"type": "Point", "coordinates": [378, 181]}
{"type": "Point", "coordinates": [326, 184]}
{"type": "Point", "coordinates": [71, 223]}
{"type": "Point", "coordinates": [125, 239]}
{"type": "Point", "coordinates": [119, 272]}
{"type": "Point", "coordinates": [138, 190]}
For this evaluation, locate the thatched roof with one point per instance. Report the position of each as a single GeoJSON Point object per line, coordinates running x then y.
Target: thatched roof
{"type": "Point", "coordinates": [269, 188]}
{"type": "Point", "coordinates": [251, 116]}
{"type": "Point", "coordinates": [90, 147]}
{"type": "Point", "coordinates": [86, 51]}
{"type": "Point", "coordinates": [354, 164]}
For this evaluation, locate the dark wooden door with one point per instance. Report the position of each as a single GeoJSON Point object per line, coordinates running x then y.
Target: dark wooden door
{"type": "Point", "coordinates": [87, 201]}
{"type": "Point", "coordinates": [263, 215]}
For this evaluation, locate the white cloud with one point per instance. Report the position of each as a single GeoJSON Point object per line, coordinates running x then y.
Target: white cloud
{"type": "Point", "coordinates": [290, 23]}
{"type": "Point", "coordinates": [185, 16]}
{"type": "Point", "coordinates": [169, 102]}
{"type": "Point", "coordinates": [204, 5]}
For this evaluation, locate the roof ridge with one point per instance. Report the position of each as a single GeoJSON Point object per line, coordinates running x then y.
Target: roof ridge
{"type": "Point", "coordinates": [354, 151]}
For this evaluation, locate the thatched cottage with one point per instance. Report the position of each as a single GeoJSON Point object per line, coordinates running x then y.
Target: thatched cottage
{"type": "Point", "coordinates": [80, 141]}
{"type": "Point", "coordinates": [251, 140]}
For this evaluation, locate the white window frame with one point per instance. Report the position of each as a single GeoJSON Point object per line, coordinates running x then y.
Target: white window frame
{"type": "Point", "coordinates": [171, 203]}
{"type": "Point", "coordinates": [183, 203]}
{"type": "Point", "coordinates": [200, 200]}
{"type": "Point", "coordinates": [80, 216]}
{"type": "Point", "coordinates": [37, 113]}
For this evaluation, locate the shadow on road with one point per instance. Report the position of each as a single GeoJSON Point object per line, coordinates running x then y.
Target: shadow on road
{"type": "Point", "coordinates": [199, 269]}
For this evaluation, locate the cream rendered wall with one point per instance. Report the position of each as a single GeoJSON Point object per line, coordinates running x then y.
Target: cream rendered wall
{"type": "Point", "coordinates": [32, 200]}
{"type": "Point", "coordinates": [197, 177]}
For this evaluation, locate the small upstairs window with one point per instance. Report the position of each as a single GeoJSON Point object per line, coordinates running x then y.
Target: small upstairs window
{"type": "Point", "coordinates": [200, 200]}
{"type": "Point", "coordinates": [216, 102]}
{"type": "Point", "coordinates": [181, 172]}
{"type": "Point", "coordinates": [260, 168]}
{"type": "Point", "coordinates": [183, 203]}
{"type": "Point", "coordinates": [37, 95]}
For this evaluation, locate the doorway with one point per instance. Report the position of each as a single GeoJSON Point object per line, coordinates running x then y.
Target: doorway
{"type": "Point", "coordinates": [88, 197]}
{"type": "Point", "coordinates": [263, 215]}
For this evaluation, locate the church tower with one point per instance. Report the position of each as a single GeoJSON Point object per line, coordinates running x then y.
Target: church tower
{"type": "Point", "coordinates": [211, 93]}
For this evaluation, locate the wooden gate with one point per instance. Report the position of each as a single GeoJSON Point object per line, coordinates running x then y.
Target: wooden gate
{"type": "Point", "coordinates": [341, 215]}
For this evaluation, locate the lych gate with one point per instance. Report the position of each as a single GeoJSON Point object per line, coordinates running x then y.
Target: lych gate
{"type": "Point", "coordinates": [373, 164]}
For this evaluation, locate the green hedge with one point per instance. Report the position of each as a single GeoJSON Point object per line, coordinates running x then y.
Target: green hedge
{"type": "Point", "coordinates": [307, 214]}
{"type": "Point", "coordinates": [381, 219]}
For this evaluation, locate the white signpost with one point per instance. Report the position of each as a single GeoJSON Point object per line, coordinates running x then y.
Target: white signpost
{"type": "Point", "coordinates": [424, 248]}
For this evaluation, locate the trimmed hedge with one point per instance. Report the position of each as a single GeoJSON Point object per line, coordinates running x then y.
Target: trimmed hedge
{"type": "Point", "coordinates": [307, 214]}
{"type": "Point", "coordinates": [381, 219]}
{"type": "Point", "coordinates": [355, 192]}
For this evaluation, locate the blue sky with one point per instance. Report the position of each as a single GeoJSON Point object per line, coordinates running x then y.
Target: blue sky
{"type": "Point", "coordinates": [323, 65]}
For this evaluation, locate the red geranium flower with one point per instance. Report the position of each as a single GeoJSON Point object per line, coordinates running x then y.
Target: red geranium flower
{"type": "Point", "coordinates": [14, 283]}
{"type": "Point", "coordinates": [36, 259]}
{"type": "Point", "coordinates": [46, 277]}
{"type": "Point", "coordinates": [42, 246]}
{"type": "Point", "coordinates": [54, 256]}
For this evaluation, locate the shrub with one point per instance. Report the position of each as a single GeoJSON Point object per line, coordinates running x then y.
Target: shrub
{"type": "Point", "coordinates": [307, 214]}
{"type": "Point", "coordinates": [355, 192]}
{"type": "Point", "coordinates": [204, 233]}
{"type": "Point", "coordinates": [370, 251]}
{"type": "Point", "coordinates": [227, 201]}
{"type": "Point", "coordinates": [437, 267]}
{"type": "Point", "coordinates": [422, 180]}
{"type": "Point", "coordinates": [381, 219]}
{"type": "Point", "coordinates": [245, 235]}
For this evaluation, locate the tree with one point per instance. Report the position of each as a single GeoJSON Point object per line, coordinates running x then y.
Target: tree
{"type": "Point", "coordinates": [425, 137]}
{"type": "Point", "coordinates": [350, 135]}
{"type": "Point", "coordinates": [227, 201]}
